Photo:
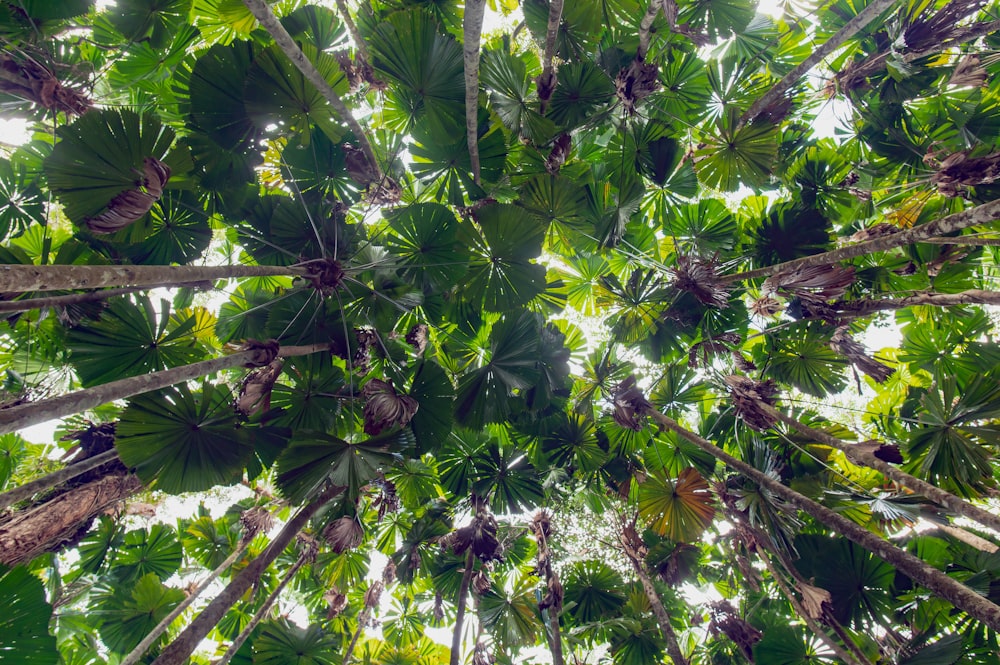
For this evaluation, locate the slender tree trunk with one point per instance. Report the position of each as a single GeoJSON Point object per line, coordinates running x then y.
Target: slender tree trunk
{"type": "Point", "coordinates": [863, 18]}
{"type": "Point", "coordinates": [973, 239]}
{"type": "Point", "coordinates": [851, 657]}
{"type": "Point", "coordinates": [865, 306]}
{"type": "Point", "coordinates": [25, 415]}
{"type": "Point", "coordinates": [546, 82]}
{"type": "Point", "coordinates": [262, 11]}
{"type": "Point", "coordinates": [140, 650]}
{"type": "Point", "coordinates": [463, 593]}
{"type": "Point", "coordinates": [982, 214]}
{"type": "Point", "coordinates": [646, 25]}
{"type": "Point", "coordinates": [874, 64]}
{"type": "Point", "coordinates": [960, 596]}
{"type": "Point", "coordinates": [260, 613]}
{"type": "Point", "coordinates": [28, 304]}
{"type": "Point", "coordinates": [863, 457]}
{"type": "Point", "coordinates": [29, 489]}
{"type": "Point", "coordinates": [352, 28]}
{"type": "Point", "coordinates": [968, 538]}
{"type": "Point", "coordinates": [16, 278]}
{"type": "Point", "coordinates": [472, 26]}
{"type": "Point", "coordinates": [45, 527]}
{"type": "Point", "coordinates": [660, 612]}
{"type": "Point", "coordinates": [178, 651]}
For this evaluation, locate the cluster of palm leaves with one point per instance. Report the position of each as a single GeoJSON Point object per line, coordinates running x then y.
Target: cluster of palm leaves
{"type": "Point", "coordinates": [500, 332]}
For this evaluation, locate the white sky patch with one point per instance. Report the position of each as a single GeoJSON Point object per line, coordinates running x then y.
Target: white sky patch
{"type": "Point", "coordinates": [14, 131]}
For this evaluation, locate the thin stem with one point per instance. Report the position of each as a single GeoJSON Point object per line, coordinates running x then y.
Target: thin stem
{"type": "Point", "coordinates": [352, 28]}
{"type": "Point", "coordinates": [472, 23]}
{"type": "Point", "coordinates": [16, 278]}
{"type": "Point", "coordinates": [137, 653]}
{"type": "Point", "coordinates": [862, 19]}
{"type": "Point", "coordinates": [263, 13]}
{"type": "Point", "coordinates": [28, 304]}
{"type": "Point", "coordinates": [463, 593]}
{"type": "Point", "coordinates": [982, 214]}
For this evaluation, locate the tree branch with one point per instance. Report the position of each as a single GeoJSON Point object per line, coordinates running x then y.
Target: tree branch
{"type": "Point", "coordinates": [472, 26]}
{"type": "Point", "coordinates": [263, 13]}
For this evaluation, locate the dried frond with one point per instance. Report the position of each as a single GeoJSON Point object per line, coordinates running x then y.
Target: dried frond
{"type": "Point", "coordinates": [630, 405]}
{"type": "Point", "coordinates": [336, 602]}
{"type": "Point", "coordinates": [876, 231]}
{"type": "Point", "coordinates": [28, 79]}
{"type": "Point", "coordinates": [844, 344]}
{"type": "Point", "coordinates": [958, 171]}
{"type": "Point", "coordinates": [815, 600]}
{"type": "Point", "coordinates": [636, 82]}
{"type": "Point", "coordinates": [130, 205]}
{"type": "Point", "coordinates": [811, 283]}
{"type": "Point", "coordinates": [387, 500]}
{"type": "Point", "coordinates": [726, 619]}
{"type": "Point", "coordinates": [308, 547]}
{"type": "Point", "coordinates": [482, 655]}
{"type": "Point", "coordinates": [389, 572]}
{"type": "Point", "coordinates": [367, 339]}
{"type": "Point", "coordinates": [417, 338]}
{"type": "Point", "coordinates": [631, 542]}
{"type": "Point", "coordinates": [557, 156]}
{"type": "Point", "coordinates": [384, 408]}
{"type": "Point", "coordinates": [255, 391]}
{"type": "Point", "coordinates": [700, 278]}
{"type": "Point", "coordinates": [255, 520]}
{"type": "Point", "coordinates": [748, 395]}
{"type": "Point", "coordinates": [262, 353]}
{"type": "Point", "coordinates": [766, 306]}
{"type": "Point", "coordinates": [325, 275]}
{"type": "Point", "coordinates": [358, 168]}
{"type": "Point", "coordinates": [374, 594]}
{"type": "Point", "coordinates": [553, 595]}
{"type": "Point", "coordinates": [969, 72]}
{"type": "Point", "coordinates": [721, 343]}
{"type": "Point", "coordinates": [344, 534]}
{"type": "Point", "coordinates": [481, 582]}
{"type": "Point", "coordinates": [887, 452]}
{"type": "Point", "coordinates": [384, 192]}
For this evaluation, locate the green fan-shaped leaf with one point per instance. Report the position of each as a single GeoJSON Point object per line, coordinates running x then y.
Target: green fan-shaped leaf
{"type": "Point", "coordinates": [593, 591]}
{"type": "Point", "coordinates": [785, 645]}
{"type": "Point", "coordinates": [277, 92]}
{"type": "Point", "coordinates": [130, 613]}
{"type": "Point", "coordinates": [511, 364]}
{"type": "Point", "coordinates": [806, 362]}
{"type": "Point", "coordinates": [284, 643]}
{"type": "Point", "coordinates": [314, 458]}
{"type": "Point", "coordinates": [426, 244]}
{"type": "Point", "coordinates": [574, 443]}
{"type": "Point", "coordinates": [215, 94]}
{"type": "Point", "coordinates": [100, 155]}
{"type": "Point", "coordinates": [737, 156]}
{"type": "Point", "coordinates": [24, 626]}
{"type": "Point", "coordinates": [435, 394]}
{"type": "Point", "coordinates": [556, 199]}
{"type": "Point", "coordinates": [582, 87]}
{"type": "Point", "coordinates": [502, 273]}
{"type": "Point", "coordinates": [12, 449]}
{"type": "Point", "coordinates": [317, 162]}
{"type": "Point", "coordinates": [702, 228]}
{"type": "Point", "coordinates": [510, 614]}
{"type": "Point", "coordinates": [155, 551]}
{"type": "Point", "coordinates": [319, 24]}
{"type": "Point", "coordinates": [679, 508]}
{"type": "Point", "coordinates": [789, 232]}
{"type": "Point", "coordinates": [503, 473]}
{"type": "Point", "coordinates": [208, 541]}
{"type": "Point", "coordinates": [717, 18]}
{"type": "Point", "coordinates": [153, 21]}
{"type": "Point", "coordinates": [308, 402]}
{"type": "Point", "coordinates": [21, 201]}
{"type": "Point", "coordinates": [175, 231]}
{"type": "Point", "coordinates": [446, 160]}
{"type": "Point", "coordinates": [408, 48]}
{"type": "Point", "coordinates": [132, 339]}
{"type": "Point", "coordinates": [184, 441]}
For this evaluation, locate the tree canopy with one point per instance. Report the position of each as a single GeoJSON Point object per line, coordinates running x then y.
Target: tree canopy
{"type": "Point", "coordinates": [599, 331]}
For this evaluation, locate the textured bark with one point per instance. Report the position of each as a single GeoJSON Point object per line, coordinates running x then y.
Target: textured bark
{"type": "Point", "coordinates": [660, 612]}
{"type": "Point", "coordinates": [29, 489]}
{"type": "Point", "coordinates": [24, 278]}
{"type": "Point", "coordinates": [982, 214]}
{"type": "Point", "coordinates": [865, 306]}
{"type": "Point", "coordinates": [552, 35]}
{"type": "Point", "coordinates": [25, 415]}
{"type": "Point", "coordinates": [262, 12]}
{"type": "Point", "coordinates": [968, 538]}
{"type": "Point", "coordinates": [178, 651]}
{"type": "Point", "coordinates": [140, 650]}
{"type": "Point", "coordinates": [45, 527]}
{"type": "Point", "coordinates": [850, 657]}
{"type": "Point", "coordinates": [863, 457]}
{"type": "Point", "coordinates": [645, 26]}
{"type": "Point", "coordinates": [259, 614]}
{"type": "Point", "coordinates": [962, 597]}
{"type": "Point", "coordinates": [472, 27]}
{"type": "Point", "coordinates": [463, 594]}
{"type": "Point", "coordinates": [28, 304]}
{"type": "Point", "coordinates": [863, 18]}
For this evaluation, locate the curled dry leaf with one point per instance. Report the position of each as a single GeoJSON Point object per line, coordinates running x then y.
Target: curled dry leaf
{"type": "Point", "coordinates": [748, 395]}
{"type": "Point", "coordinates": [367, 338]}
{"type": "Point", "coordinates": [481, 582]}
{"type": "Point", "coordinates": [814, 600]}
{"type": "Point", "coordinates": [812, 283]}
{"type": "Point", "coordinates": [343, 534]}
{"type": "Point", "coordinates": [482, 655]}
{"type": "Point", "coordinates": [389, 573]}
{"type": "Point", "coordinates": [130, 205]}
{"type": "Point", "coordinates": [886, 452]}
{"type": "Point", "coordinates": [325, 275]}
{"type": "Point", "coordinates": [263, 353]}
{"type": "Point", "coordinates": [374, 594]}
{"type": "Point", "coordinates": [417, 338]}
{"type": "Point", "coordinates": [700, 278]}
{"type": "Point", "coordinates": [557, 156]}
{"type": "Point", "coordinates": [969, 72]}
{"type": "Point", "coordinates": [255, 392]}
{"type": "Point", "coordinates": [721, 343]}
{"type": "Point", "coordinates": [844, 344]}
{"type": "Point", "coordinates": [384, 408]}
{"type": "Point", "coordinates": [553, 595]}
{"type": "Point", "coordinates": [28, 79]}
{"type": "Point", "coordinates": [336, 602]}
{"type": "Point", "coordinates": [254, 521]}
{"type": "Point", "coordinates": [636, 82]}
{"type": "Point", "coordinates": [726, 619]}
{"type": "Point", "coordinates": [630, 405]}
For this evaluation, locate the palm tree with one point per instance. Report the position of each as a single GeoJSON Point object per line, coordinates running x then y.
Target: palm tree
{"type": "Point", "coordinates": [463, 240]}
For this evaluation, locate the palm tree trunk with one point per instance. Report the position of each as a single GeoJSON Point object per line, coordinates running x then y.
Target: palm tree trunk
{"type": "Point", "coordinates": [16, 278]}
{"type": "Point", "coordinates": [28, 304]}
{"type": "Point", "coordinates": [29, 489]}
{"type": "Point", "coordinates": [960, 596]}
{"type": "Point", "coordinates": [547, 79]}
{"type": "Point", "coordinates": [866, 306]}
{"type": "Point", "coordinates": [660, 612]}
{"type": "Point", "coordinates": [352, 28]}
{"type": "Point", "coordinates": [260, 613]}
{"type": "Point", "coordinates": [262, 11]}
{"type": "Point", "coordinates": [472, 26]}
{"type": "Point", "coordinates": [982, 214]}
{"type": "Point", "coordinates": [45, 527]}
{"type": "Point", "coordinates": [968, 538]}
{"type": "Point", "coordinates": [178, 651]}
{"type": "Point", "coordinates": [140, 650]}
{"type": "Point", "coordinates": [463, 593]}
{"type": "Point", "coordinates": [645, 25]}
{"type": "Point", "coordinates": [863, 457]}
{"type": "Point", "coordinates": [25, 415]}
{"type": "Point", "coordinates": [862, 19]}
{"type": "Point", "coordinates": [853, 657]}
